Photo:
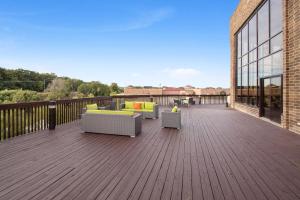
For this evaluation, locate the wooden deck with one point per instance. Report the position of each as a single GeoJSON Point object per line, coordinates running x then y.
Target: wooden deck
{"type": "Point", "coordinates": [218, 154]}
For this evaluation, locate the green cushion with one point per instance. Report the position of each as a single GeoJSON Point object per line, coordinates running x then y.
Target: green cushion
{"type": "Point", "coordinates": [146, 110]}
{"type": "Point", "coordinates": [131, 110]}
{"type": "Point", "coordinates": [92, 106]}
{"type": "Point", "coordinates": [141, 110]}
{"type": "Point", "coordinates": [175, 109]}
{"type": "Point", "coordinates": [128, 105]}
{"type": "Point", "coordinates": [110, 112]}
{"type": "Point", "coordinates": [149, 105]}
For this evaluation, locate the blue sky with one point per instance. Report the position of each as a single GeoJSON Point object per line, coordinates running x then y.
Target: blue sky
{"type": "Point", "coordinates": [132, 42]}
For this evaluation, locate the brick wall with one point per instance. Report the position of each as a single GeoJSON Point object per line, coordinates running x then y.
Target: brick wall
{"type": "Point", "coordinates": [291, 59]}
{"type": "Point", "coordinates": [291, 90]}
{"type": "Point", "coordinates": [254, 111]}
{"type": "Point", "coordinates": [142, 91]}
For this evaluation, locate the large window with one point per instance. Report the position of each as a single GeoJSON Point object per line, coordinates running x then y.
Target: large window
{"type": "Point", "coordinates": [259, 50]}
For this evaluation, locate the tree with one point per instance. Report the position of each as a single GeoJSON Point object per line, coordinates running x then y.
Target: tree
{"type": "Point", "coordinates": [115, 89]}
{"type": "Point", "coordinates": [19, 96]}
{"type": "Point", "coordinates": [73, 84]}
{"type": "Point", "coordinates": [24, 79]}
{"type": "Point", "coordinates": [84, 89]}
{"type": "Point", "coordinates": [25, 96]}
{"type": "Point", "coordinates": [95, 88]}
{"type": "Point", "coordinates": [57, 89]}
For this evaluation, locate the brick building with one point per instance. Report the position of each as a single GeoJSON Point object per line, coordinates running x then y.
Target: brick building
{"type": "Point", "coordinates": [265, 60]}
{"type": "Point", "coordinates": [143, 91]}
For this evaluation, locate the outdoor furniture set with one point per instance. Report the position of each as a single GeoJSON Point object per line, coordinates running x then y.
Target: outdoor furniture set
{"type": "Point", "coordinates": [126, 121]}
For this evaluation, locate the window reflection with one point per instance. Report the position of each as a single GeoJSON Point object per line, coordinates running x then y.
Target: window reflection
{"type": "Point", "coordinates": [252, 83]}
{"type": "Point", "coordinates": [276, 16]}
{"type": "Point", "coordinates": [252, 56]}
{"type": "Point", "coordinates": [244, 83]}
{"type": "Point", "coordinates": [245, 40]}
{"type": "Point", "coordinates": [252, 33]}
{"type": "Point", "coordinates": [263, 50]}
{"type": "Point", "coordinates": [239, 41]}
{"type": "Point", "coordinates": [277, 63]}
{"type": "Point", "coordinates": [276, 43]}
{"type": "Point", "coordinates": [263, 23]}
{"type": "Point", "coordinates": [245, 60]}
{"type": "Point", "coordinates": [259, 50]}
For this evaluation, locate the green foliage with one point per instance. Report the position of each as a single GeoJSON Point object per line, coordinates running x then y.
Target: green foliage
{"type": "Point", "coordinates": [24, 79]}
{"type": "Point", "coordinates": [25, 96]}
{"type": "Point", "coordinates": [23, 85]}
{"type": "Point", "coordinates": [95, 88]}
{"type": "Point", "coordinates": [115, 89]}
{"type": "Point", "coordinates": [73, 84]}
{"type": "Point", "coordinates": [6, 96]}
{"type": "Point", "coordinates": [58, 89]}
{"type": "Point", "coordinates": [18, 96]}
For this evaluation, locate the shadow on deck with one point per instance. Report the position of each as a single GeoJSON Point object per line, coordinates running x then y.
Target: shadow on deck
{"type": "Point", "coordinates": [218, 154]}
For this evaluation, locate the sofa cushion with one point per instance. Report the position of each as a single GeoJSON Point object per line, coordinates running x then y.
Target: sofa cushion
{"type": "Point", "coordinates": [149, 105]}
{"type": "Point", "coordinates": [92, 106]}
{"type": "Point", "coordinates": [131, 110]}
{"type": "Point", "coordinates": [142, 104]}
{"type": "Point", "coordinates": [128, 105]}
{"type": "Point", "coordinates": [175, 109]}
{"type": "Point", "coordinates": [110, 112]}
{"type": "Point", "coordinates": [137, 106]}
{"type": "Point", "coordinates": [146, 110]}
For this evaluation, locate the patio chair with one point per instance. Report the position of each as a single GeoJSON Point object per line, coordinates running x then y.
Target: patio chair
{"type": "Point", "coordinates": [171, 119]}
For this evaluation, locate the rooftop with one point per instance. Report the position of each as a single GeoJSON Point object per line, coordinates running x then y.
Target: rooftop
{"type": "Point", "coordinates": [218, 154]}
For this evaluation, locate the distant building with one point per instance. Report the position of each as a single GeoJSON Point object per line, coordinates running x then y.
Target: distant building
{"type": "Point", "coordinates": [187, 90]}
{"type": "Point", "coordinates": [171, 91]}
{"type": "Point", "coordinates": [214, 91]}
{"type": "Point", "coordinates": [142, 91]}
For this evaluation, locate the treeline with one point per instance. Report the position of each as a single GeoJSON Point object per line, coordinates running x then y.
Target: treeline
{"type": "Point", "coordinates": [12, 79]}
{"type": "Point", "coordinates": [24, 86]}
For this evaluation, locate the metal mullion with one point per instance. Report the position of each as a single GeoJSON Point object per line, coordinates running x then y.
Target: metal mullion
{"type": "Point", "coordinates": [247, 24]}
{"type": "Point", "coordinates": [276, 35]}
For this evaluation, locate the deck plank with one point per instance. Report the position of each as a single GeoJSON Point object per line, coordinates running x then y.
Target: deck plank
{"type": "Point", "coordinates": [218, 154]}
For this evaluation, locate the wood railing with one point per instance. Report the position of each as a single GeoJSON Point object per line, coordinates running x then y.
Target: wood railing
{"type": "Point", "coordinates": [214, 99]}
{"type": "Point", "coordinates": [22, 118]}
{"type": "Point", "coordinates": [166, 100]}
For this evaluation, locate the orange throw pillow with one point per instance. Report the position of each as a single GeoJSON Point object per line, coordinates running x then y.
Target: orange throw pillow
{"type": "Point", "coordinates": [137, 106]}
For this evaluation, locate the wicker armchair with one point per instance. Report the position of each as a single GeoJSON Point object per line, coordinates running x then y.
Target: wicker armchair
{"type": "Point", "coordinates": [171, 119]}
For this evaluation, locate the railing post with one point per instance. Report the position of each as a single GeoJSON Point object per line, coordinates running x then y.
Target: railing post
{"type": "Point", "coordinates": [52, 115]}
{"type": "Point", "coordinates": [226, 100]}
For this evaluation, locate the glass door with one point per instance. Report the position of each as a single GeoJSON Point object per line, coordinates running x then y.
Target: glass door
{"type": "Point", "coordinates": [272, 98]}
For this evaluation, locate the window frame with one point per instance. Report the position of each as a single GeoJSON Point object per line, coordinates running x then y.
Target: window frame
{"type": "Point", "coordinates": [239, 97]}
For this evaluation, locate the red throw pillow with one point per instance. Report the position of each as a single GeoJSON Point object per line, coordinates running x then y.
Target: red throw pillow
{"type": "Point", "coordinates": [137, 106]}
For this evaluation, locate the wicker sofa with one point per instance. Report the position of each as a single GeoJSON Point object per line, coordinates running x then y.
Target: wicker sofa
{"type": "Point", "coordinates": [115, 124]}
{"type": "Point", "coordinates": [171, 119]}
{"type": "Point", "coordinates": [146, 113]}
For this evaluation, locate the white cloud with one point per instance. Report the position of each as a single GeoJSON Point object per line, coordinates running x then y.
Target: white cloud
{"type": "Point", "coordinates": [147, 19]}
{"type": "Point", "coordinates": [181, 73]}
{"type": "Point", "coordinates": [141, 20]}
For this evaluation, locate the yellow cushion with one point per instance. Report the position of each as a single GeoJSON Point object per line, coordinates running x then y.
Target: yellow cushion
{"type": "Point", "coordinates": [92, 106]}
{"type": "Point", "coordinates": [174, 109]}
{"type": "Point", "coordinates": [149, 105]}
{"type": "Point", "coordinates": [110, 112]}
{"type": "Point", "coordinates": [128, 105]}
